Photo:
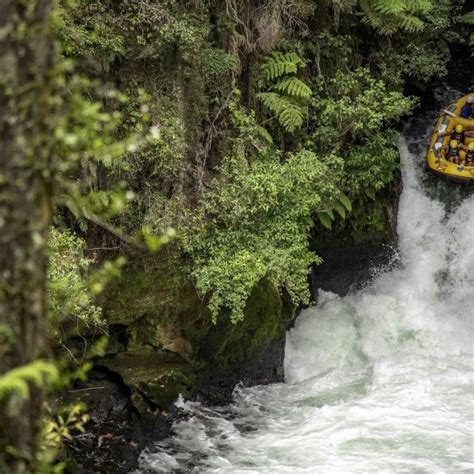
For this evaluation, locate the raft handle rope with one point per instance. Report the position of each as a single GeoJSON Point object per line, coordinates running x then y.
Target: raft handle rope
{"type": "Point", "coordinates": [451, 114]}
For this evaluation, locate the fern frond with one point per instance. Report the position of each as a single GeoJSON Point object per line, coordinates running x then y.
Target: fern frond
{"type": "Point", "coordinates": [388, 16]}
{"type": "Point", "coordinates": [39, 373]}
{"type": "Point", "coordinates": [388, 7]}
{"type": "Point", "coordinates": [411, 24]}
{"type": "Point", "coordinates": [419, 6]}
{"type": "Point", "coordinates": [293, 86]}
{"type": "Point", "coordinates": [400, 7]}
{"type": "Point", "coordinates": [468, 18]}
{"type": "Point", "coordinates": [289, 114]}
{"type": "Point", "coordinates": [291, 118]}
{"type": "Point", "coordinates": [272, 101]}
{"type": "Point", "coordinates": [279, 64]}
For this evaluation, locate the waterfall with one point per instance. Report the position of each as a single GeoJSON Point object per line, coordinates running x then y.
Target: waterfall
{"type": "Point", "coordinates": [378, 381]}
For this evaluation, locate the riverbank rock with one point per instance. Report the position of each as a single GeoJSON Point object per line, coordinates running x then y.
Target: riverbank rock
{"type": "Point", "coordinates": [116, 432]}
{"type": "Point", "coordinates": [163, 344]}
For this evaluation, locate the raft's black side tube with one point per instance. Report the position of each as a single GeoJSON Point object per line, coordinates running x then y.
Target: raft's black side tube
{"type": "Point", "coordinates": [451, 178]}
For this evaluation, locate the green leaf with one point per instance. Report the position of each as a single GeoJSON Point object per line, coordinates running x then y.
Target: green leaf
{"type": "Point", "coordinates": [370, 192]}
{"type": "Point", "coordinates": [325, 219]}
{"type": "Point", "coordinates": [344, 200]}
{"type": "Point", "coordinates": [340, 209]}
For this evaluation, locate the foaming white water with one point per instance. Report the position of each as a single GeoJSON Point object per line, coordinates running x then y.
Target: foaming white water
{"type": "Point", "coordinates": [380, 381]}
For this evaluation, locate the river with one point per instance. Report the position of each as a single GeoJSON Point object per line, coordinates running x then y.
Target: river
{"type": "Point", "coordinates": [378, 381]}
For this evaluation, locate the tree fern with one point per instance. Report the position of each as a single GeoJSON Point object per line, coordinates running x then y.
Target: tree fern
{"type": "Point", "coordinates": [286, 96]}
{"type": "Point", "coordinates": [388, 16]}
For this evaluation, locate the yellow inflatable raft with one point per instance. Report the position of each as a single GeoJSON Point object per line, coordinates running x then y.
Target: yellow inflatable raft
{"type": "Point", "coordinates": [435, 156]}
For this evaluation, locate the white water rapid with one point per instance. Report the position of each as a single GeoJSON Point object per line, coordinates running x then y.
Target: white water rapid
{"type": "Point", "coordinates": [379, 381]}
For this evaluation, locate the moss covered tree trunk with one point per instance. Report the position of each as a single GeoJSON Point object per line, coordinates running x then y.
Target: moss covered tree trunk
{"type": "Point", "coordinates": [26, 66]}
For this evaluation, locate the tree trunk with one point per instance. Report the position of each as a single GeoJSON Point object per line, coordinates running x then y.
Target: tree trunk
{"type": "Point", "coordinates": [27, 58]}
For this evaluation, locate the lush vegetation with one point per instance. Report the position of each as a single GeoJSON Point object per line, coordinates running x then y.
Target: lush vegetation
{"type": "Point", "coordinates": [230, 130]}
{"type": "Point", "coordinates": [262, 121]}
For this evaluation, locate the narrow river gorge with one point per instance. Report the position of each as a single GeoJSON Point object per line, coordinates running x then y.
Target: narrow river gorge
{"type": "Point", "coordinates": [228, 242]}
{"type": "Point", "coordinates": [380, 380]}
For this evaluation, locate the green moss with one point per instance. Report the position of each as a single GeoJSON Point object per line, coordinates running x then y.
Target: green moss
{"type": "Point", "coordinates": [152, 296]}
{"type": "Point", "coordinates": [227, 344]}
{"type": "Point", "coordinates": [139, 292]}
{"type": "Point", "coordinates": [154, 379]}
{"type": "Point", "coordinates": [148, 300]}
{"type": "Point", "coordinates": [162, 310]}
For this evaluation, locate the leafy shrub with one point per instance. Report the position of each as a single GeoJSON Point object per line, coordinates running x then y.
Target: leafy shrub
{"type": "Point", "coordinates": [255, 221]}
{"type": "Point", "coordinates": [70, 298]}
{"type": "Point", "coordinates": [370, 167]}
{"type": "Point", "coordinates": [354, 106]}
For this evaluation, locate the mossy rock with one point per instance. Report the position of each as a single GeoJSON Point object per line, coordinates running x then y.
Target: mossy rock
{"type": "Point", "coordinates": [150, 288]}
{"type": "Point", "coordinates": [154, 379]}
{"type": "Point", "coordinates": [164, 316]}
{"type": "Point", "coordinates": [152, 296]}
{"type": "Point", "coordinates": [150, 299]}
{"type": "Point", "coordinates": [227, 344]}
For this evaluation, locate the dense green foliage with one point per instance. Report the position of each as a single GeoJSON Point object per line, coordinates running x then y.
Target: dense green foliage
{"type": "Point", "coordinates": [258, 132]}
{"type": "Point", "coordinates": [235, 129]}
{"type": "Point", "coordinates": [256, 218]}
{"type": "Point", "coordinates": [69, 294]}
